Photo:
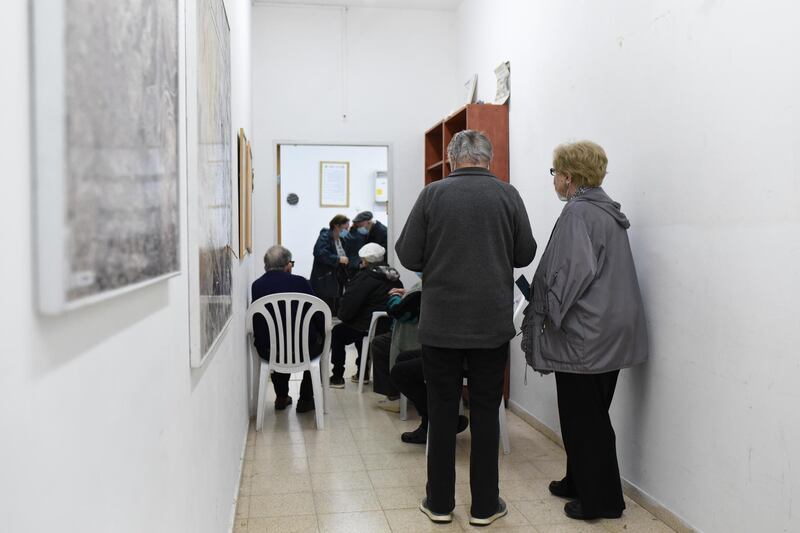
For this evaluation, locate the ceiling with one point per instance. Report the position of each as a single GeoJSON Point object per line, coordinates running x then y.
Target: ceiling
{"type": "Point", "coordinates": [435, 5]}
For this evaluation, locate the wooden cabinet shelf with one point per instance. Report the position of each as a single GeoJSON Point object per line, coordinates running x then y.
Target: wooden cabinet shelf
{"type": "Point", "coordinates": [490, 119]}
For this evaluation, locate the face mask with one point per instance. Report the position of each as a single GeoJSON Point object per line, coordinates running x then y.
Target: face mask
{"type": "Point", "coordinates": [419, 274]}
{"type": "Point", "coordinates": [562, 198]}
{"type": "Point", "coordinates": [363, 231]}
{"type": "Point", "coordinates": [343, 233]}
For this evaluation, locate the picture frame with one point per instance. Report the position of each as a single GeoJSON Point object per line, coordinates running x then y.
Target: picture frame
{"type": "Point", "coordinates": [334, 184]}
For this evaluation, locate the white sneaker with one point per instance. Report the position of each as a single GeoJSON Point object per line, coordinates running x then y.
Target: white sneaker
{"type": "Point", "coordinates": [393, 406]}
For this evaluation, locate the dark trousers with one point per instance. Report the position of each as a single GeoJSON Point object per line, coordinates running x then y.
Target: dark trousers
{"type": "Point", "coordinates": [444, 371]}
{"type": "Point", "coordinates": [379, 353]}
{"type": "Point", "coordinates": [281, 384]}
{"type": "Point", "coordinates": [342, 335]}
{"type": "Point", "coordinates": [589, 439]}
{"type": "Point", "coordinates": [409, 378]}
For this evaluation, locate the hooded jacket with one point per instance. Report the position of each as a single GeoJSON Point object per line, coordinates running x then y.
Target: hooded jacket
{"type": "Point", "coordinates": [366, 293]}
{"type": "Point", "coordinates": [586, 314]}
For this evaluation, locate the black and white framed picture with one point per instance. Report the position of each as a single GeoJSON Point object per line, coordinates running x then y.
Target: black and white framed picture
{"type": "Point", "coordinates": [106, 148]}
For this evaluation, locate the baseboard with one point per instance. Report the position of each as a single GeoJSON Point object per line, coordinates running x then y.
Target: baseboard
{"type": "Point", "coordinates": [631, 491]}
{"type": "Point", "coordinates": [232, 520]}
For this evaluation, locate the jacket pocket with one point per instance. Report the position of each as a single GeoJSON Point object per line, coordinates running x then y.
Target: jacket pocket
{"type": "Point", "coordinates": [565, 344]}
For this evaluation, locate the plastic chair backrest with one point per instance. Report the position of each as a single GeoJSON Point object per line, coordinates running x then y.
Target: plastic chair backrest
{"type": "Point", "coordinates": [288, 316]}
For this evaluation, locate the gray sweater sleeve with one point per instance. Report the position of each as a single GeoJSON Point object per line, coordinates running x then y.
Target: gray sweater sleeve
{"type": "Point", "coordinates": [410, 245]}
{"type": "Point", "coordinates": [524, 243]}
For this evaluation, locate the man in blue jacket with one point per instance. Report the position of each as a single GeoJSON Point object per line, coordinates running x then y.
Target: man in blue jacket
{"type": "Point", "coordinates": [278, 278]}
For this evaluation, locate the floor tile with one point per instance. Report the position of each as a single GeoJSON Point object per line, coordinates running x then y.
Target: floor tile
{"type": "Point", "coordinates": [543, 512]}
{"type": "Point", "coordinates": [346, 501]}
{"type": "Point", "coordinates": [414, 521]}
{"type": "Point", "coordinates": [343, 463]}
{"type": "Point", "coordinates": [330, 481]}
{"type": "Point", "coordinates": [401, 477]}
{"type": "Point", "coordinates": [281, 505]}
{"type": "Point", "coordinates": [284, 524]}
{"type": "Point", "coordinates": [263, 484]}
{"type": "Point", "coordinates": [363, 522]}
{"type": "Point", "coordinates": [387, 461]}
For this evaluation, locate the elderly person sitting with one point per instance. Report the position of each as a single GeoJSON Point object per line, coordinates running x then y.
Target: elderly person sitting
{"type": "Point", "coordinates": [364, 294]}
{"type": "Point", "coordinates": [587, 322]}
{"type": "Point", "coordinates": [278, 278]}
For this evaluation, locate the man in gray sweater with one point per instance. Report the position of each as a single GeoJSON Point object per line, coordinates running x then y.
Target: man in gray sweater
{"type": "Point", "coordinates": [466, 233]}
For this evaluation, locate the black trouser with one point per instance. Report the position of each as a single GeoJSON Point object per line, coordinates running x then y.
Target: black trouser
{"type": "Point", "coordinates": [589, 439]}
{"type": "Point", "coordinates": [343, 335]}
{"type": "Point", "coordinates": [409, 378]}
{"type": "Point", "coordinates": [281, 384]}
{"type": "Point", "coordinates": [444, 370]}
{"type": "Point", "coordinates": [381, 382]}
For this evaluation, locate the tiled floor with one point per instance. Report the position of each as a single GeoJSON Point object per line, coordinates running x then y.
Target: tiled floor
{"type": "Point", "coordinates": [357, 476]}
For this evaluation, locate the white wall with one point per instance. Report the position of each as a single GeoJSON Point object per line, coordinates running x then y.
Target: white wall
{"type": "Point", "coordinates": [396, 80]}
{"type": "Point", "coordinates": [300, 223]}
{"type": "Point", "coordinates": [104, 425]}
{"type": "Point", "coordinates": [697, 107]}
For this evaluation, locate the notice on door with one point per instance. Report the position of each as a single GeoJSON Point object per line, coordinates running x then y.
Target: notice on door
{"type": "Point", "coordinates": [334, 184]}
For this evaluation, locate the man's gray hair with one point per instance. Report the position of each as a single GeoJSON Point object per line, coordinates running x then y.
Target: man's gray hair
{"type": "Point", "coordinates": [276, 258]}
{"type": "Point", "coordinates": [470, 147]}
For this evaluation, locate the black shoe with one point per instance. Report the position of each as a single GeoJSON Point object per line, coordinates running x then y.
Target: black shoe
{"type": "Point", "coordinates": [463, 423]}
{"type": "Point", "coordinates": [439, 518]}
{"type": "Point", "coordinates": [305, 405]}
{"type": "Point", "coordinates": [502, 510]}
{"type": "Point", "coordinates": [354, 377]}
{"type": "Point", "coordinates": [562, 489]}
{"type": "Point", "coordinates": [337, 383]}
{"type": "Point", "coordinates": [574, 510]}
{"type": "Point", "coordinates": [418, 436]}
{"type": "Point", "coordinates": [282, 402]}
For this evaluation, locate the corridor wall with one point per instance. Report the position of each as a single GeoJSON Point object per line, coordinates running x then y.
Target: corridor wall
{"type": "Point", "coordinates": [697, 107]}
{"type": "Point", "coordinates": [355, 76]}
{"type": "Point", "coordinates": [104, 425]}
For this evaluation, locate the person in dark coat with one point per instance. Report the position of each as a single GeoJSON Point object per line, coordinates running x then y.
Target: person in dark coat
{"type": "Point", "coordinates": [585, 322]}
{"type": "Point", "coordinates": [466, 234]}
{"type": "Point", "coordinates": [278, 278]}
{"type": "Point", "coordinates": [365, 293]}
{"type": "Point", "coordinates": [328, 273]}
{"type": "Point", "coordinates": [372, 230]}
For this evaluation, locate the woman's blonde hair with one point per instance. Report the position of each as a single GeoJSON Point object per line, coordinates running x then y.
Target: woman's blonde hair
{"type": "Point", "coordinates": [584, 161]}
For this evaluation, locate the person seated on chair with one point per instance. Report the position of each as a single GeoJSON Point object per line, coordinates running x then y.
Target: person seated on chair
{"type": "Point", "coordinates": [408, 378]}
{"type": "Point", "coordinates": [278, 278]}
{"type": "Point", "coordinates": [403, 307]}
{"type": "Point", "coordinates": [365, 293]}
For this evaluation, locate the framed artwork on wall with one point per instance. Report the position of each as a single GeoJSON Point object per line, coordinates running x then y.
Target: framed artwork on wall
{"type": "Point", "coordinates": [249, 187]}
{"type": "Point", "coordinates": [243, 146]}
{"type": "Point", "coordinates": [209, 176]}
{"type": "Point", "coordinates": [334, 184]}
{"type": "Point", "coordinates": [106, 148]}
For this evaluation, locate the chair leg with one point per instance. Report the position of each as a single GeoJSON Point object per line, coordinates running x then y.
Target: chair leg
{"type": "Point", "coordinates": [263, 378]}
{"type": "Point", "coordinates": [319, 398]}
{"type": "Point", "coordinates": [363, 367]}
{"type": "Point", "coordinates": [403, 407]}
{"type": "Point", "coordinates": [325, 370]}
{"type": "Point", "coordinates": [504, 428]}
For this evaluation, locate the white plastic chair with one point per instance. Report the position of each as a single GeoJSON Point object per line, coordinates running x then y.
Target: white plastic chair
{"type": "Point", "coordinates": [284, 356]}
{"type": "Point", "coordinates": [366, 344]}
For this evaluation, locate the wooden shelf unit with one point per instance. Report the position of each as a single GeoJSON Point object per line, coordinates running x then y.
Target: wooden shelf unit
{"type": "Point", "coordinates": [490, 119]}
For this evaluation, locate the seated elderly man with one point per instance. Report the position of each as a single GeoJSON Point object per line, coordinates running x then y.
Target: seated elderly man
{"type": "Point", "coordinates": [278, 278]}
{"type": "Point", "coordinates": [365, 293]}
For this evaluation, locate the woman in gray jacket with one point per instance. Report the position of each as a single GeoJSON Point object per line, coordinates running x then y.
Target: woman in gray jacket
{"type": "Point", "coordinates": [585, 323]}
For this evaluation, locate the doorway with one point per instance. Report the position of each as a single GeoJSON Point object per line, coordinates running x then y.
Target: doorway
{"type": "Point", "coordinates": [318, 181]}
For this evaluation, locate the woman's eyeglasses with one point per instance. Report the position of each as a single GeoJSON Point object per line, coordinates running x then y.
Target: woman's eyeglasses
{"type": "Point", "coordinates": [553, 172]}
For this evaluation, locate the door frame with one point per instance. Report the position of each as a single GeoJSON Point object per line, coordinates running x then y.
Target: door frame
{"type": "Point", "coordinates": [390, 255]}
